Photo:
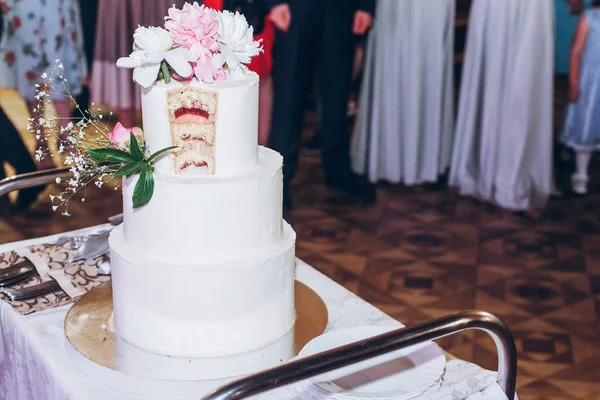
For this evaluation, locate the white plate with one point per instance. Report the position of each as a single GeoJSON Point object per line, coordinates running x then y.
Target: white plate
{"type": "Point", "coordinates": [315, 393]}
{"type": "Point", "coordinates": [400, 374]}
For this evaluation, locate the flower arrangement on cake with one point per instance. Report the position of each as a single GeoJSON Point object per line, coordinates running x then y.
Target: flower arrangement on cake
{"type": "Point", "coordinates": [196, 43]}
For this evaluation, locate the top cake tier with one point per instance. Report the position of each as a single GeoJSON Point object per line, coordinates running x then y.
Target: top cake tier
{"type": "Point", "coordinates": [198, 95]}
{"type": "Point", "coordinates": [214, 125]}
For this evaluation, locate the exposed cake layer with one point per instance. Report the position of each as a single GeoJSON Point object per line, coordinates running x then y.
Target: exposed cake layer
{"type": "Point", "coordinates": [215, 125]}
{"type": "Point", "coordinates": [196, 153]}
{"type": "Point", "coordinates": [205, 309]}
{"type": "Point", "coordinates": [196, 217]}
{"type": "Point", "coordinates": [192, 115]}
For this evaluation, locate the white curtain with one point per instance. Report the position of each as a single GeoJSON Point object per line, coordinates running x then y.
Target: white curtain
{"type": "Point", "coordinates": [405, 123]}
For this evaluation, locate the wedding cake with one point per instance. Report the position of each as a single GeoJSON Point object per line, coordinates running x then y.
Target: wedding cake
{"type": "Point", "coordinates": [205, 266]}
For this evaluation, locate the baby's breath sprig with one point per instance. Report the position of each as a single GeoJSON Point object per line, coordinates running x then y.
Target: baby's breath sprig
{"type": "Point", "coordinates": [85, 145]}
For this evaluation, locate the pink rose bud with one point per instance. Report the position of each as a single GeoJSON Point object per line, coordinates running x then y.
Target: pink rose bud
{"type": "Point", "coordinates": [121, 135]}
{"type": "Point", "coordinates": [137, 132]}
{"type": "Point", "coordinates": [181, 78]}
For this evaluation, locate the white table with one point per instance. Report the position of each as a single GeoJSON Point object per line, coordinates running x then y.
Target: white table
{"type": "Point", "coordinates": [34, 363]}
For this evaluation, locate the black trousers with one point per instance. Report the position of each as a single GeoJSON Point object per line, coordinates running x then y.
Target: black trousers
{"type": "Point", "coordinates": [12, 148]}
{"type": "Point", "coordinates": [89, 15]}
{"type": "Point", "coordinates": [13, 151]}
{"type": "Point", "coordinates": [320, 40]}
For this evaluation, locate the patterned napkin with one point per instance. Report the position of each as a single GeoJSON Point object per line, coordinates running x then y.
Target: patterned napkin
{"type": "Point", "coordinates": [53, 262]}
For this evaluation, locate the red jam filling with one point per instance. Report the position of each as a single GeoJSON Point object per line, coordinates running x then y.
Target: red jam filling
{"type": "Point", "coordinates": [193, 111]}
{"type": "Point", "coordinates": [193, 164]}
{"type": "Point", "coordinates": [189, 137]}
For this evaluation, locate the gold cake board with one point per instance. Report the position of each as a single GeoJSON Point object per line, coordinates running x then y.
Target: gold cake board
{"type": "Point", "coordinates": [102, 354]}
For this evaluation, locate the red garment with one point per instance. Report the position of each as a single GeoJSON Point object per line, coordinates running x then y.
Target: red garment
{"type": "Point", "coordinates": [262, 63]}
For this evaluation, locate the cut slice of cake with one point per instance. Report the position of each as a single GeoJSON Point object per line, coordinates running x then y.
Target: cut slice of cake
{"type": "Point", "coordinates": [192, 115]}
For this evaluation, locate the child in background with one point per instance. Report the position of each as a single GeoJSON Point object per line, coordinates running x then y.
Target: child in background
{"type": "Point", "coordinates": [582, 124]}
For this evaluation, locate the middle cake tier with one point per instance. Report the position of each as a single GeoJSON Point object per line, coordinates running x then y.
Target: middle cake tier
{"type": "Point", "coordinates": [198, 216]}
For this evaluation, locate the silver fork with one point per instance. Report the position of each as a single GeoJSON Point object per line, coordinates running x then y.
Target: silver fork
{"type": "Point", "coordinates": [17, 273]}
{"type": "Point", "coordinates": [18, 279]}
{"type": "Point", "coordinates": [31, 292]}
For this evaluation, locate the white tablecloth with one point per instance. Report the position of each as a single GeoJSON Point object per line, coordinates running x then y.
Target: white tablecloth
{"type": "Point", "coordinates": [34, 363]}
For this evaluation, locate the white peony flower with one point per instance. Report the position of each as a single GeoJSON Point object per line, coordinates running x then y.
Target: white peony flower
{"type": "Point", "coordinates": [236, 39]}
{"type": "Point", "coordinates": [151, 46]}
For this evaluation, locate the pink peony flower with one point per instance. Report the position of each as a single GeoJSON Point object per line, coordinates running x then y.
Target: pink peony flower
{"type": "Point", "coordinates": [195, 28]}
{"type": "Point", "coordinates": [120, 135]}
{"type": "Point", "coordinates": [220, 75]}
{"type": "Point", "coordinates": [206, 70]}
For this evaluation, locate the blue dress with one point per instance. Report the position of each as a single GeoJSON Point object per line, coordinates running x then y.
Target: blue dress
{"type": "Point", "coordinates": [582, 123]}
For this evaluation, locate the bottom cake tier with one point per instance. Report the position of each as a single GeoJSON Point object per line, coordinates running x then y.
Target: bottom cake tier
{"type": "Point", "coordinates": [203, 310]}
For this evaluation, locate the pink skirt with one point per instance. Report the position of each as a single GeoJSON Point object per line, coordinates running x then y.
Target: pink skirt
{"type": "Point", "coordinates": [117, 21]}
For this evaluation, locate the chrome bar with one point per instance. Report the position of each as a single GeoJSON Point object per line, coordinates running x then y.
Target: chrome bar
{"type": "Point", "coordinates": [33, 179]}
{"type": "Point", "coordinates": [378, 345]}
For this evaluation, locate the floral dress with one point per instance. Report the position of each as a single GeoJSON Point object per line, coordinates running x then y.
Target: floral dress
{"type": "Point", "coordinates": [36, 34]}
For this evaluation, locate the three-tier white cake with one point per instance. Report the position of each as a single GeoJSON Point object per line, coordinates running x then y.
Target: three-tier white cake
{"type": "Point", "coordinates": [206, 267]}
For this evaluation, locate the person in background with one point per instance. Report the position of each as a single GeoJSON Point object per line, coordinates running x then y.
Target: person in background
{"type": "Point", "coordinates": [405, 123]}
{"type": "Point", "coordinates": [503, 141]}
{"type": "Point", "coordinates": [316, 35]}
{"type": "Point", "coordinates": [313, 146]}
{"type": "Point", "coordinates": [14, 152]}
{"type": "Point", "coordinates": [37, 33]}
{"type": "Point", "coordinates": [89, 15]}
{"type": "Point", "coordinates": [256, 12]}
{"type": "Point", "coordinates": [582, 123]}
{"type": "Point", "coordinates": [568, 13]}
{"type": "Point", "coordinates": [117, 20]}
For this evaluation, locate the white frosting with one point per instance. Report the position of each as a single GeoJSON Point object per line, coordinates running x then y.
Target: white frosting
{"type": "Point", "coordinates": [197, 217]}
{"type": "Point", "coordinates": [205, 309]}
{"type": "Point", "coordinates": [135, 361]}
{"type": "Point", "coordinates": [236, 122]}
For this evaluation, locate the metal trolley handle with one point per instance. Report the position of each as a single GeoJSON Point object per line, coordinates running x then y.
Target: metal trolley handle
{"type": "Point", "coordinates": [33, 179]}
{"type": "Point", "coordinates": [345, 355]}
{"type": "Point", "coordinates": [378, 345]}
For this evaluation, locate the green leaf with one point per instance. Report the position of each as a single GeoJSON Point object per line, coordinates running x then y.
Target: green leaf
{"type": "Point", "coordinates": [108, 154]}
{"type": "Point", "coordinates": [135, 148]}
{"type": "Point", "coordinates": [142, 193]}
{"type": "Point", "coordinates": [129, 169]}
{"type": "Point", "coordinates": [159, 152]}
{"type": "Point", "coordinates": [165, 71]}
